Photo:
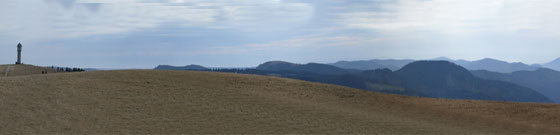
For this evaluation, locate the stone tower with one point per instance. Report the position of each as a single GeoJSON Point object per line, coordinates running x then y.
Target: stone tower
{"type": "Point", "coordinates": [19, 54]}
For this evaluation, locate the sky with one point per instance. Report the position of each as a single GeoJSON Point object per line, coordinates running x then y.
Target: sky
{"type": "Point", "coordinates": [245, 33]}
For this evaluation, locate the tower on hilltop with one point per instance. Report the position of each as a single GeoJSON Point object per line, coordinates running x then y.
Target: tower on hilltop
{"type": "Point", "coordinates": [19, 54]}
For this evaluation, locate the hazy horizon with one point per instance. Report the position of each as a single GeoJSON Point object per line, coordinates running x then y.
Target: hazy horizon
{"type": "Point", "coordinates": [253, 66]}
{"type": "Point", "coordinates": [244, 33]}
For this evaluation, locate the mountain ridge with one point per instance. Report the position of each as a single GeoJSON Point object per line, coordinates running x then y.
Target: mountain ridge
{"type": "Point", "coordinates": [310, 67]}
{"type": "Point", "coordinates": [187, 67]}
{"type": "Point", "coordinates": [439, 79]}
{"type": "Point", "coordinates": [449, 80]}
{"type": "Point", "coordinates": [489, 64]}
{"type": "Point", "coordinates": [498, 66]}
{"type": "Point", "coordinates": [554, 64]}
{"type": "Point", "coordinates": [543, 80]}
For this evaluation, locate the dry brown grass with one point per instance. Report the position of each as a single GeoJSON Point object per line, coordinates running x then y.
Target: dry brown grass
{"type": "Point", "coordinates": [19, 70]}
{"type": "Point", "coordinates": [188, 102]}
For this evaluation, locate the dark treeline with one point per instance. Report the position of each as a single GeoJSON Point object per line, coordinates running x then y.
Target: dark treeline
{"type": "Point", "coordinates": [67, 69]}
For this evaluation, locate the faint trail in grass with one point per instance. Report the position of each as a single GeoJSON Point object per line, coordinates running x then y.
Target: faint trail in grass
{"type": "Point", "coordinates": [6, 72]}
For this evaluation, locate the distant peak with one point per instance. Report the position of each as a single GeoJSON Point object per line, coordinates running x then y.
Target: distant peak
{"type": "Point", "coordinates": [342, 61]}
{"type": "Point", "coordinates": [194, 65]}
{"type": "Point", "coordinates": [556, 60]}
{"type": "Point", "coordinates": [489, 59]}
{"type": "Point", "coordinates": [553, 62]}
{"type": "Point", "coordinates": [438, 69]}
{"type": "Point", "coordinates": [443, 58]}
{"type": "Point", "coordinates": [430, 64]}
{"type": "Point", "coordinates": [278, 62]}
{"type": "Point", "coordinates": [276, 65]}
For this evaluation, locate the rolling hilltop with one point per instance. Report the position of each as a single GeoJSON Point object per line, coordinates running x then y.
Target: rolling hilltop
{"type": "Point", "coordinates": [183, 102]}
{"type": "Point", "coordinates": [20, 70]}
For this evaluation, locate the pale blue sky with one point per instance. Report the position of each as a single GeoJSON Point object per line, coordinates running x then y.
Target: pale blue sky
{"type": "Point", "coordinates": [244, 33]}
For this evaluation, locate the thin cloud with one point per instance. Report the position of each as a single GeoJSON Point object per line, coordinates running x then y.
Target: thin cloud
{"type": "Point", "coordinates": [457, 16]}
{"type": "Point", "coordinates": [51, 19]}
{"type": "Point", "coordinates": [182, 31]}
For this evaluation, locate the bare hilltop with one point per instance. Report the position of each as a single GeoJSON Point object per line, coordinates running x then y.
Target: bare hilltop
{"type": "Point", "coordinates": [193, 102]}
{"type": "Point", "coordinates": [21, 70]}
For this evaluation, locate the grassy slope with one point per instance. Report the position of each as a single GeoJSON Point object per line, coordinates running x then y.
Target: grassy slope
{"type": "Point", "coordinates": [19, 70]}
{"type": "Point", "coordinates": [167, 102]}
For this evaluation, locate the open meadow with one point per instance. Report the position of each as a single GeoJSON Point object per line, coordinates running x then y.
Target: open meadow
{"type": "Point", "coordinates": [185, 102]}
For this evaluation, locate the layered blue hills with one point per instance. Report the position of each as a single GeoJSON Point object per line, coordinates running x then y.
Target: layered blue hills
{"type": "Point", "coordinates": [488, 64]}
{"type": "Point", "coordinates": [437, 79]}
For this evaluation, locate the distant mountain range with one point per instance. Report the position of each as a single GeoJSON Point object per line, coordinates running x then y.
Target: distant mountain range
{"type": "Point", "coordinates": [495, 65]}
{"type": "Point", "coordinates": [545, 81]}
{"type": "Point", "coordinates": [311, 67]}
{"type": "Point", "coordinates": [372, 64]}
{"type": "Point", "coordinates": [448, 80]}
{"type": "Point", "coordinates": [555, 64]}
{"type": "Point", "coordinates": [188, 67]}
{"type": "Point", "coordinates": [483, 64]}
{"type": "Point", "coordinates": [439, 79]}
